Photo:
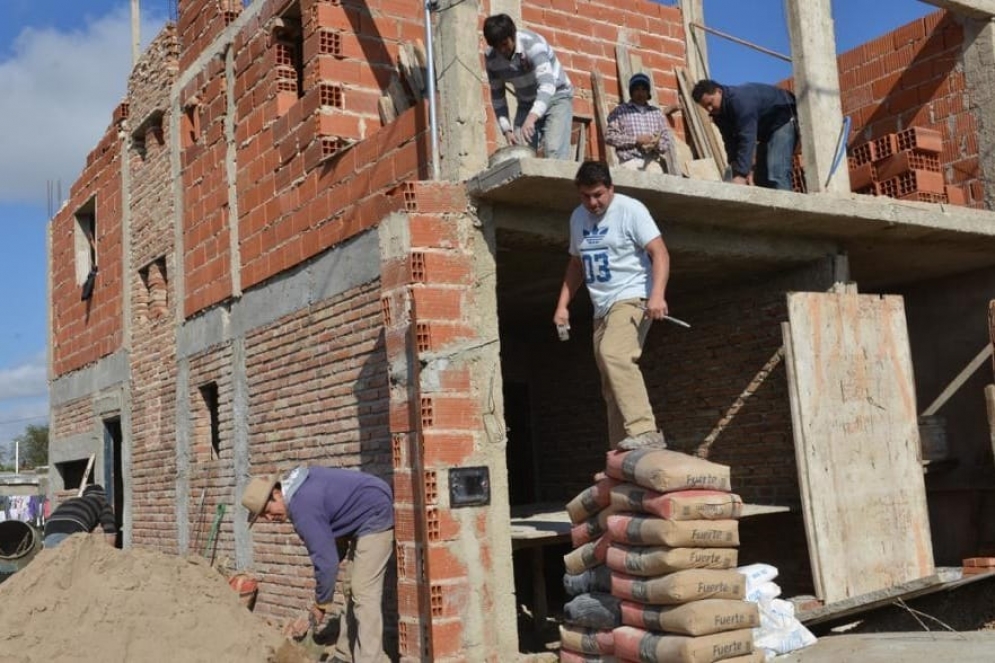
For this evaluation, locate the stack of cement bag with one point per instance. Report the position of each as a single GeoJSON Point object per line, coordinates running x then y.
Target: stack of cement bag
{"type": "Point", "coordinates": [593, 613]}
{"type": "Point", "coordinates": [780, 631]}
{"type": "Point", "coordinates": [667, 531]}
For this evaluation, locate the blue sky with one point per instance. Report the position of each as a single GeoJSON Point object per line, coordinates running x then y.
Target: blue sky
{"type": "Point", "coordinates": [64, 67]}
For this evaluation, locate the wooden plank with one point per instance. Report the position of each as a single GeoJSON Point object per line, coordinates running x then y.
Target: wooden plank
{"type": "Point", "coordinates": [712, 136]}
{"type": "Point", "coordinates": [991, 328]}
{"type": "Point", "coordinates": [411, 70]}
{"type": "Point", "coordinates": [804, 485]}
{"type": "Point", "coordinates": [945, 580]}
{"type": "Point", "coordinates": [857, 442]}
{"type": "Point", "coordinates": [397, 95]}
{"type": "Point", "coordinates": [692, 120]}
{"type": "Point", "coordinates": [86, 475]}
{"type": "Point", "coordinates": [386, 107]}
{"type": "Point", "coordinates": [624, 70]}
{"type": "Point", "coordinates": [601, 117]}
{"type": "Point", "coordinates": [990, 404]}
{"type": "Point", "coordinates": [959, 381]}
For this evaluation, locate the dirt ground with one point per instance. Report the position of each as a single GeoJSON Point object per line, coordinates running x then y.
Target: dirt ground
{"type": "Point", "coordinates": [87, 601]}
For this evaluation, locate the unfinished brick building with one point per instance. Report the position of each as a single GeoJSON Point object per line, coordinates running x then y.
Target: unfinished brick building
{"type": "Point", "coordinates": [281, 282]}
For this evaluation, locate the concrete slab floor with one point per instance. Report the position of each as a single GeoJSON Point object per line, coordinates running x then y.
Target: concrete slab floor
{"type": "Point", "coordinates": [962, 647]}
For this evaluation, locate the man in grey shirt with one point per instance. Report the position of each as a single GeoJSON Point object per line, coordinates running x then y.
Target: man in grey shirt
{"type": "Point", "coordinates": [541, 87]}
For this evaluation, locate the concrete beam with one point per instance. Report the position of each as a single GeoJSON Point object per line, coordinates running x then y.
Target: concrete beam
{"type": "Point", "coordinates": [817, 88]}
{"type": "Point", "coordinates": [979, 74]}
{"type": "Point", "coordinates": [692, 11]}
{"type": "Point", "coordinates": [888, 241]}
{"type": "Point", "coordinates": [983, 9]}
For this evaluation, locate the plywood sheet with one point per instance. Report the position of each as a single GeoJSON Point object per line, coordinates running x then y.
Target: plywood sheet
{"type": "Point", "coordinates": [857, 442]}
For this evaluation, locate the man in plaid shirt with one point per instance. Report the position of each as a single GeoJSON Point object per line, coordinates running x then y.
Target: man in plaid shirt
{"type": "Point", "coordinates": [541, 87]}
{"type": "Point", "coordinates": [639, 132]}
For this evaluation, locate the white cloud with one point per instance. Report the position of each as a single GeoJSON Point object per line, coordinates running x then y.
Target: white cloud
{"type": "Point", "coordinates": [59, 91]}
{"type": "Point", "coordinates": [25, 381]}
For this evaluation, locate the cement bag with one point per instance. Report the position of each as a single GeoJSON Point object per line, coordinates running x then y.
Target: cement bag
{"type": "Point", "coordinates": [587, 556]}
{"type": "Point", "coordinates": [590, 500]}
{"type": "Point", "coordinates": [653, 531]}
{"type": "Point", "coordinates": [681, 505]}
{"type": "Point", "coordinates": [595, 610]}
{"type": "Point", "coordinates": [591, 528]}
{"type": "Point", "coordinates": [638, 645]}
{"type": "Point", "coordinates": [666, 471]}
{"type": "Point", "coordinates": [567, 656]}
{"type": "Point", "coordinates": [658, 560]}
{"type": "Point", "coordinates": [696, 618]}
{"type": "Point", "coordinates": [763, 592]}
{"type": "Point", "coordinates": [780, 632]}
{"type": "Point", "coordinates": [679, 587]}
{"type": "Point", "coordinates": [757, 574]}
{"type": "Point", "coordinates": [586, 640]}
{"type": "Point", "coordinates": [596, 579]}
{"type": "Point", "coordinates": [783, 641]}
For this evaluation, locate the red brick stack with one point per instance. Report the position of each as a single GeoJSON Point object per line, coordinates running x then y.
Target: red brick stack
{"type": "Point", "coordinates": [904, 165]}
{"type": "Point", "coordinates": [978, 565]}
{"type": "Point", "coordinates": [668, 533]}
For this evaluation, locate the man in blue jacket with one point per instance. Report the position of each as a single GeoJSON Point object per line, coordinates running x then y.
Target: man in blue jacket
{"type": "Point", "coordinates": [324, 504]}
{"type": "Point", "coordinates": [755, 119]}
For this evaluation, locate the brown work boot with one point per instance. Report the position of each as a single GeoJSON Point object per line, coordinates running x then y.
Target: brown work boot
{"type": "Point", "coordinates": [651, 440]}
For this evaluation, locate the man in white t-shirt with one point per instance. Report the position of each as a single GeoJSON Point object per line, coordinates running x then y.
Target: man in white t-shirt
{"type": "Point", "coordinates": [616, 250]}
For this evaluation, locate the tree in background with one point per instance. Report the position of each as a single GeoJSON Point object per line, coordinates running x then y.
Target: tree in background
{"type": "Point", "coordinates": [34, 447]}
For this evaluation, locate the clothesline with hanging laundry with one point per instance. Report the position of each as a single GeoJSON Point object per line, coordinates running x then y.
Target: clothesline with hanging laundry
{"type": "Point", "coordinates": [26, 508]}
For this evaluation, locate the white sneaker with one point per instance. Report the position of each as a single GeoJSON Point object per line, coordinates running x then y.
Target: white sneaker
{"type": "Point", "coordinates": [650, 440]}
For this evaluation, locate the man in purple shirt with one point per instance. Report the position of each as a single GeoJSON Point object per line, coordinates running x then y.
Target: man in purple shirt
{"type": "Point", "coordinates": [325, 504]}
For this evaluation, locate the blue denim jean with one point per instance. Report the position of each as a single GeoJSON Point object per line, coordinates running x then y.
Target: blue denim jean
{"type": "Point", "coordinates": [773, 168]}
{"type": "Point", "coordinates": [553, 128]}
{"type": "Point", "coordinates": [52, 540]}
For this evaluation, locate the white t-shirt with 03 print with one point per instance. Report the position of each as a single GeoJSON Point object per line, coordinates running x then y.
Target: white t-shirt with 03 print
{"type": "Point", "coordinates": [612, 251]}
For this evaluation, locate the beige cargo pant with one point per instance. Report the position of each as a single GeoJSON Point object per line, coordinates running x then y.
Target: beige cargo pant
{"type": "Point", "coordinates": [618, 345]}
{"type": "Point", "coordinates": [361, 624]}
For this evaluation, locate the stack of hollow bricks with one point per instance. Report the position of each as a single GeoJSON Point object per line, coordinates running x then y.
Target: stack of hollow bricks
{"type": "Point", "coordinates": [904, 165]}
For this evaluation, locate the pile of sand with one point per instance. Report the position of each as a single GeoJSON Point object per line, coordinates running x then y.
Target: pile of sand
{"type": "Point", "coordinates": [87, 601]}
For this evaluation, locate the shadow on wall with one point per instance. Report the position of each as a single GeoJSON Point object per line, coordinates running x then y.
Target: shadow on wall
{"type": "Point", "coordinates": [372, 397]}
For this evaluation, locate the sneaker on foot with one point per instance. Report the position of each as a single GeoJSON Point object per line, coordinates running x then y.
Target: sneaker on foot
{"type": "Point", "coordinates": [650, 440]}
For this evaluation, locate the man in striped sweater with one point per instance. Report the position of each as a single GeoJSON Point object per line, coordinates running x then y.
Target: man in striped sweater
{"type": "Point", "coordinates": [81, 514]}
{"type": "Point", "coordinates": [540, 85]}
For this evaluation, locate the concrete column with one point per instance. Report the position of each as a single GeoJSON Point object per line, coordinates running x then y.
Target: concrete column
{"type": "Point", "coordinates": [692, 11]}
{"type": "Point", "coordinates": [979, 73]}
{"type": "Point", "coordinates": [458, 71]}
{"type": "Point", "coordinates": [817, 87]}
{"type": "Point", "coordinates": [231, 173]}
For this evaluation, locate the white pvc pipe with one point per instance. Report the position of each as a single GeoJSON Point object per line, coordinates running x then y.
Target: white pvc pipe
{"type": "Point", "coordinates": [432, 121]}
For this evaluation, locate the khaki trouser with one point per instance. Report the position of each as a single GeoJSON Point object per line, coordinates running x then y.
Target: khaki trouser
{"type": "Point", "coordinates": [361, 626]}
{"type": "Point", "coordinates": [618, 344]}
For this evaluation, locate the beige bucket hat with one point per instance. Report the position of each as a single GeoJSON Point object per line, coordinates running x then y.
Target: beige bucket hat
{"type": "Point", "coordinates": [257, 493]}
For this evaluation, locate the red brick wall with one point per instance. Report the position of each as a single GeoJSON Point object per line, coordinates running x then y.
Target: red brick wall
{"type": "Point", "coordinates": [212, 473]}
{"type": "Point", "coordinates": [153, 296]}
{"type": "Point", "coordinates": [317, 395]}
{"type": "Point", "coordinates": [913, 76]}
{"type": "Point", "coordinates": [85, 331]}
{"type": "Point", "coordinates": [312, 158]}
{"type": "Point", "coordinates": [583, 36]}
